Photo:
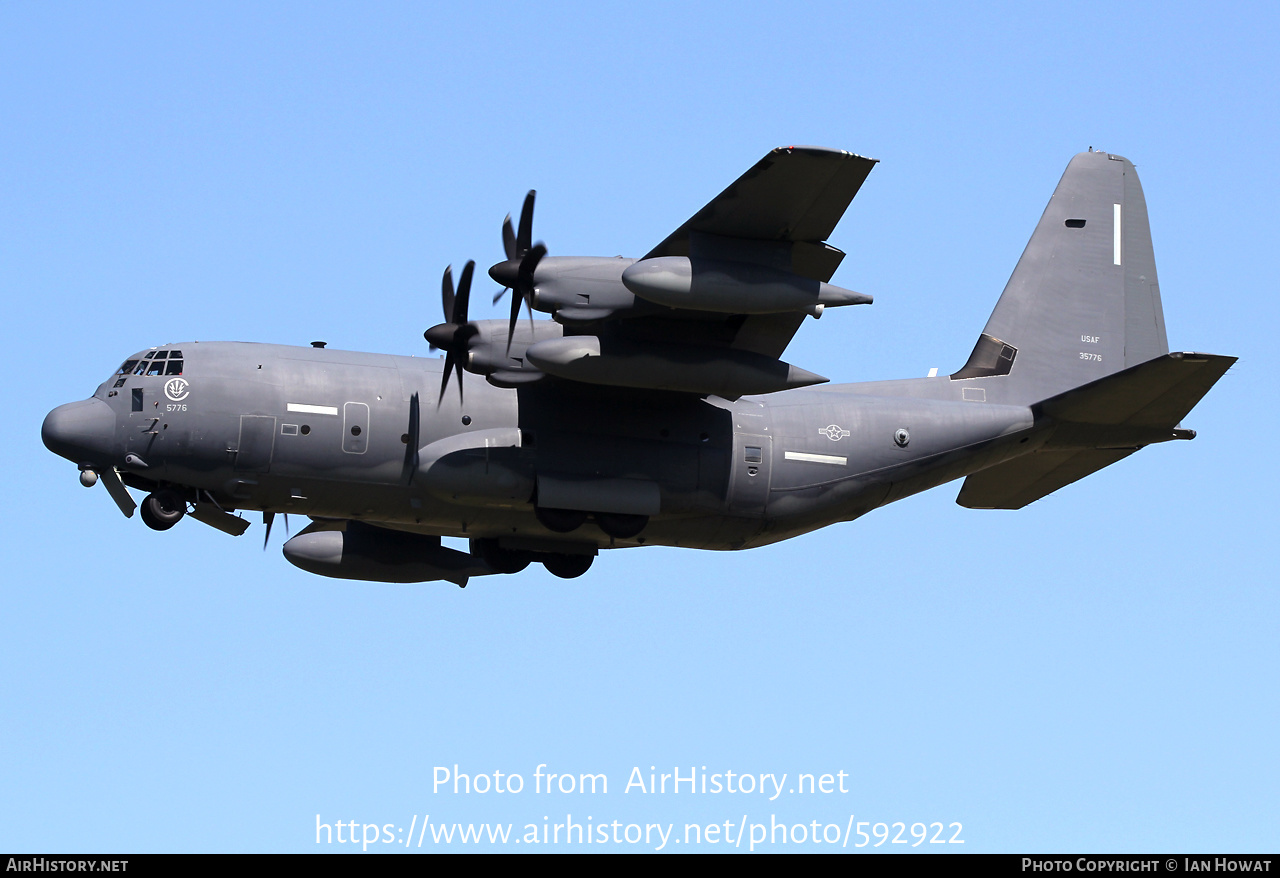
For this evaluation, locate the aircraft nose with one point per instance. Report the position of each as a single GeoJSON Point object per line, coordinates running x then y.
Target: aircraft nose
{"type": "Point", "coordinates": [80, 431]}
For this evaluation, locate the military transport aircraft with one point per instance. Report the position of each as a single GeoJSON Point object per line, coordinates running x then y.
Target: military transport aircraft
{"type": "Point", "coordinates": [654, 408]}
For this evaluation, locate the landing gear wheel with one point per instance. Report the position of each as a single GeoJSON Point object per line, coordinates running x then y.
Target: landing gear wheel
{"type": "Point", "coordinates": [561, 521]}
{"type": "Point", "coordinates": [567, 566]}
{"type": "Point", "coordinates": [500, 559]}
{"type": "Point", "coordinates": [163, 509]}
{"type": "Point", "coordinates": [621, 526]}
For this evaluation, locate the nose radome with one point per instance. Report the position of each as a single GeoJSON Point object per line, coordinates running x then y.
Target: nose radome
{"type": "Point", "coordinates": [80, 431]}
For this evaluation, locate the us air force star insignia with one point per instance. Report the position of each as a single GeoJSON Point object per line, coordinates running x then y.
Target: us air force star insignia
{"type": "Point", "coordinates": [834, 432]}
{"type": "Point", "coordinates": [176, 389]}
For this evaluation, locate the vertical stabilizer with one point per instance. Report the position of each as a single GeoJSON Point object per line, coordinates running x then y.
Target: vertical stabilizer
{"type": "Point", "coordinates": [1083, 301]}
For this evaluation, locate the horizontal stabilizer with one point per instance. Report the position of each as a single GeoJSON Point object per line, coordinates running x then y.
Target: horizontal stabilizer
{"type": "Point", "coordinates": [1023, 480]}
{"type": "Point", "coordinates": [1098, 424]}
{"type": "Point", "coordinates": [1157, 393]}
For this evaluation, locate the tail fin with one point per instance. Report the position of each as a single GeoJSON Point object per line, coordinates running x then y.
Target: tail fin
{"type": "Point", "coordinates": [1083, 301]}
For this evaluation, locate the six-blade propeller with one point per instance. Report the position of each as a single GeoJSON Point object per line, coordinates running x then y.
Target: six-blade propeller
{"type": "Point", "coordinates": [516, 273]}
{"type": "Point", "coordinates": [453, 335]}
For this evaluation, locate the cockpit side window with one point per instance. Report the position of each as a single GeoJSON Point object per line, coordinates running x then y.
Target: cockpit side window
{"type": "Point", "coordinates": [128, 367]}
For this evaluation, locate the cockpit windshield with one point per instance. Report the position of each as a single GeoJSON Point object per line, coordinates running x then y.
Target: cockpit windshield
{"type": "Point", "coordinates": [165, 362]}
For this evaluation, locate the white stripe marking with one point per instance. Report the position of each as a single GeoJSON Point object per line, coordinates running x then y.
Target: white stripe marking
{"type": "Point", "coordinates": [816, 458]}
{"type": "Point", "coordinates": [313, 409]}
{"type": "Point", "coordinates": [1116, 235]}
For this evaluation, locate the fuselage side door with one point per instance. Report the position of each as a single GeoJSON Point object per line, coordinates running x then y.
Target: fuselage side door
{"type": "Point", "coordinates": [256, 442]}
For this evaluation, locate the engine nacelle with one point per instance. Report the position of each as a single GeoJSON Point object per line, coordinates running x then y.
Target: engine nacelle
{"type": "Point", "coordinates": [487, 349]}
{"type": "Point", "coordinates": [732, 287]}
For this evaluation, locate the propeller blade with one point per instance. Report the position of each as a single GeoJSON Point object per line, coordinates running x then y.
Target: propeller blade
{"type": "Point", "coordinates": [267, 518]}
{"type": "Point", "coordinates": [457, 365]}
{"type": "Point", "coordinates": [509, 240]}
{"type": "Point", "coordinates": [446, 294]}
{"type": "Point", "coordinates": [464, 293]}
{"type": "Point", "coordinates": [454, 360]}
{"type": "Point", "coordinates": [515, 316]}
{"type": "Point", "coordinates": [444, 382]}
{"type": "Point", "coordinates": [527, 266]}
{"type": "Point", "coordinates": [525, 235]}
{"type": "Point", "coordinates": [411, 447]}
{"type": "Point", "coordinates": [286, 524]}
{"type": "Point", "coordinates": [524, 284]}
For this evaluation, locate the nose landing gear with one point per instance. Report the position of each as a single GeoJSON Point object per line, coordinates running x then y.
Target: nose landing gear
{"type": "Point", "coordinates": [163, 509]}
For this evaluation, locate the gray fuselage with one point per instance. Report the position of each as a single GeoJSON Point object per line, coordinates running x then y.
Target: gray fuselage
{"type": "Point", "coordinates": [325, 433]}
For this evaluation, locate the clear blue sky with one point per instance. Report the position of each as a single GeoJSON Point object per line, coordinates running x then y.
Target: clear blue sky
{"type": "Point", "coordinates": [1097, 672]}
